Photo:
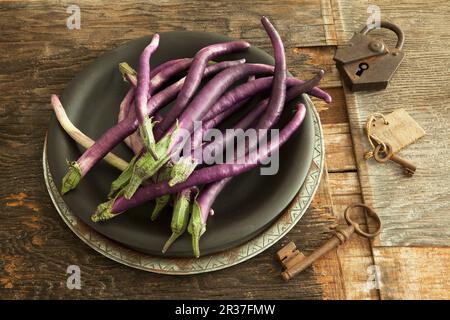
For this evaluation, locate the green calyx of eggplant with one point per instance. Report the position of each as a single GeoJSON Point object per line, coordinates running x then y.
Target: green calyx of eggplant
{"type": "Point", "coordinates": [147, 166]}
{"type": "Point", "coordinates": [103, 211]}
{"type": "Point", "coordinates": [180, 218]}
{"type": "Point", "coordinates": [161, 202]}
{"type": "Point", "coordinates": [196, 228]}
{"type": "Point", "coordinates": [123, 179]}
{"type": "Point", "coordinates": [182, 170]}
{"type": "Point", "coordinates": [72, 177]}
{"type": "Point", "coordinates": [125, 68]}
{"type": "Point", "coordinates": [146, 133]}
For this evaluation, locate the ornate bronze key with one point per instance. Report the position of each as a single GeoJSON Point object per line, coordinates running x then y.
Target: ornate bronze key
{"type": "Point", "coordinates": [383, 156]}
{"type": "Point", "coordinates": [295, 262]}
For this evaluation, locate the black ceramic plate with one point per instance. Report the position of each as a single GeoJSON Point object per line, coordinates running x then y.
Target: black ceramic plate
{"type": "Point", "coordinates": [245, 207]}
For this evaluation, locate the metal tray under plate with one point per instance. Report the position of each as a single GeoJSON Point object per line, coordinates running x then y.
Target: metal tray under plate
{"type": "Point", "coordinates": [185, 266]}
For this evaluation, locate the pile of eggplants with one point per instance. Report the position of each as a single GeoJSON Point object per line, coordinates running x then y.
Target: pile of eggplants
{"type": "Point", "coordinates": [154, 174]}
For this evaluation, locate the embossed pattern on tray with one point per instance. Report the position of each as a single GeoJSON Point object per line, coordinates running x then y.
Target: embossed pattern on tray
{"type": "Point", "coordinates": [185, 266]}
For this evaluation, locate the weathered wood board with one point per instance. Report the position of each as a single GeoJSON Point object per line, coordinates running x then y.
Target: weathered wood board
{"type": "Point", "coordinates": [339, 148]}
{"type": "Point", "coordinates": [39, 56]}
{"type": "Point", "coordinates": [355, 257]}
{"type": "Point", "coordinates": [415, 211]}
{"type": "Point", "coordinates": [413, 273]}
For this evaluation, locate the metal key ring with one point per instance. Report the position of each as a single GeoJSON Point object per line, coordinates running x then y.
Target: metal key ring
{"type": "Point", "coordinates": [370, 212]}
{"type": "Point", "coordinates": [388, 153]}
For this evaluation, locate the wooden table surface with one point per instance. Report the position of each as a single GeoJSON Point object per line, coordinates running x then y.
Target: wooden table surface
{"type": "Point", "coordinates": [40, 55]}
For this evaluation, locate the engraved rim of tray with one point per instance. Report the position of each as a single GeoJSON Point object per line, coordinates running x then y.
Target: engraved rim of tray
{"type": "Point", "coordinates": [217, 261]}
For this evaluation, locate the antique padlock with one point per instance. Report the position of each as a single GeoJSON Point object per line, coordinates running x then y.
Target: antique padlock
{"type": "Point", "coordinates": [367, 63]}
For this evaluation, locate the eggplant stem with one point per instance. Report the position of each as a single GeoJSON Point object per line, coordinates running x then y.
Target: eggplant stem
{"type": "Point", "coordinates": [160, 204]}
{"type": "Point", "coordinates": [143, 169]}
{"type": "Point", "coordinates": [72, 177]}
{"type": "Point", "coordinates": [196, 245]}
{"type": "Point", "coordinates": [128, 73]}
{"type": "Point", "coordinates": [123, 178]}
{"type": "Point", "coordinates": [103, 211]}
{"type": "Point", "coordinates": [170, 241]}
{"type": "Point", "coordinates": [182, 170]}
{"type": "Point", "coordinates": [146, 133]}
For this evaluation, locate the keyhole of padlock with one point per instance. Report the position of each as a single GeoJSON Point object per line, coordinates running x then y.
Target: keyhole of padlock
{"type": "Point", "coordinates": [362, 67]}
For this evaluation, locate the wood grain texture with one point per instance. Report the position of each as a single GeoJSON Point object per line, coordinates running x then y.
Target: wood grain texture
{"type": "Point", "coordinates": [36, 249]}
{"type": "Point", "coordinates": [355, 256]}
{"type": "Point", "coordinates": [334, 112]}
{"type": "Point", "coordinates": [40, 56]}
{"type": "Point", "coordinates": [315, 58]}
{"type": "Point", "coordinates": [413, 273]}
{"type": "Point", "coordinates": [339, 148]}
{"type": "Point", "coordinates": [414, 210]}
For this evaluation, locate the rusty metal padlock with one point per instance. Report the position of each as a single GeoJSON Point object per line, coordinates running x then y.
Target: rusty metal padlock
{"type": "Point", "coordinates": [367, 63]}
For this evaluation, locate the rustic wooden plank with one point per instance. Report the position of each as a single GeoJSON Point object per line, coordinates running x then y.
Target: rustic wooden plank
{"type": "Point", "coordinates": [355, 256]}
{"type": "Point", "coordinates": [134, 17]}
{"type": "Point", "coordinates": [334, 118]}
{"type": "Point", "coordinates": [328, 18]}
{"type": "Point", "coordinates": [413, 273]}
{"type": "Point", "coordinates": [339, 148]}
{"type": "Point", "coordinates": [334, 112]}
{"type": "Point", "coordinates": [316, 58]}
{"type": "Point", "coordinates": [327, 270]}
{"type": "Point", "coordinates": [36, 248]}
{"type": "Point", "coordinates": [344, 183]}
{"type": "Point", "coordinates": [420, 86]}
{"type": "Point", "coordinates": [39, 57]}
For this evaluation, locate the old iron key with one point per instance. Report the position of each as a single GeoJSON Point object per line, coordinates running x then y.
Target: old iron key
{"type": "Point", "coordinates": [295, 262]}
{"type": "Point", "coordinates": [383, 156]}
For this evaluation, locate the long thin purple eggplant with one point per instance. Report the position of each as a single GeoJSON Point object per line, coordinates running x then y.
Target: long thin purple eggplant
{"type": "Point", "coordinates": [199, 177]}
{"type": "Point", "coordinates": [293, 92]}
{"type": "Point", "coordinates": [214, 89]}
{"type": "Point", "coordinates": [166, 72]}
{"type": "Point", "coordinates": [143, 84]}
{"type": "Point", "coordinates": [194, 77]}
{"type": "Point", "coordinates": [147, 167]}
{"type": "Point", "coordinates": [267, 120]}
{"type": "Point", "coordinates": [79, 136]}
{"type": "Point", "coordinates": [129, 74]}
{"type": "Point", "coordinates": [209, 152]}
{"type": "Point", "coordinates": [165, 65]}
{"type": "Point", "coordinates": [278, 94]}
{"type": "Point", "coordinates": [159, 76]}
{"type": "Point", "coordinates": [216, 120]}
{"type": "Point", "coordinates": [133, 141]}
{"type": "Point", "coordinates": [297, 87]}
{"type": "Point", "coordinates": [142, 96]}
{"type": "Point", "coordinates": [201, 209]}
{"type": "Point", "coordinates": [116, 134]}
{"type": "Point", "coordinates": [229, 101]}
